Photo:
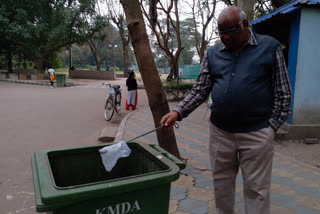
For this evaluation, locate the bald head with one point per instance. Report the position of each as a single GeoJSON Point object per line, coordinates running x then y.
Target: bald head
{"type": "Point", "coordinates": [231, 14]}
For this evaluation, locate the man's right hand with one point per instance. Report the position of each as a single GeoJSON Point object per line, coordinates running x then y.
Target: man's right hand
{"type": "Point", "coordinates": [169, 119]}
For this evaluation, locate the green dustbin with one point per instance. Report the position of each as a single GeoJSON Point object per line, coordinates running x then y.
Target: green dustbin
{"type": "Point", "coordinates": [61, 80]}
{"type": "Point", "coordinates": [70, 181]}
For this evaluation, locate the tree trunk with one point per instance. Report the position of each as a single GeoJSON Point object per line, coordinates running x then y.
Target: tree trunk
{"type": "Point", "coordinates": [39, 65]}
{"type": "Point", "coordinates": [24, 62]}
{"type": "Point", "coordinates": [125, 60]}
{"type": "Point", "coordinates": [125, 48]}
{"type": "Point", "coordinates": [247, 6]}
{"type": "Point", "coordinates": [156, 96]}
{"type": "Point", "coordinates": [9, 60]}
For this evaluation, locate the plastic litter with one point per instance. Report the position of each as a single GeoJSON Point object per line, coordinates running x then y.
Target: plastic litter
{"type": "Point", "coordinates": [111, 154]}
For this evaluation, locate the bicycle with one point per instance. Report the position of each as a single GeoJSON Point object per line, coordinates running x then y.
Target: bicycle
{"type": "Point", "coordinates": [113, 102]}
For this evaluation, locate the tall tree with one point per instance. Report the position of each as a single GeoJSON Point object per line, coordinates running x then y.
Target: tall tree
{"type": "Point", "coordinates": [100, 41]}
{"type": "Point", "coordinates": [166, 30]}
{"type": "Point", "coordinates": [41, 28]}
{"type": "Point", "coordinates": [117, 16]}
{"type": "Point", "coordinates": [151, 80]}
{"type": "Point", "coordinates": [202, 12]}
{"type": "Point", "coordinates": [187, 42]}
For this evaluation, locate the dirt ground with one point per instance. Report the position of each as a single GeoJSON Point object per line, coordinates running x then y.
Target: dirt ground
{"type": "Point", "coordinates": [299, 150]}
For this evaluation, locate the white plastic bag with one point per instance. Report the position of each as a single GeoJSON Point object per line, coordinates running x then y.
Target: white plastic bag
{"type": "Point", "coordinates": [111, 154]}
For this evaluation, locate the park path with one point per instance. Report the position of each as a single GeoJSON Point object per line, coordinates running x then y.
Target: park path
{"type": "Point", "coordinates": [36, 117]}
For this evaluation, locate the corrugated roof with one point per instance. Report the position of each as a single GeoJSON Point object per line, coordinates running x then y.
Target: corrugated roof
{"type": "Point", "coordinates": [308, 2]}
{"type": "Point", "coordinates": [286, 9]}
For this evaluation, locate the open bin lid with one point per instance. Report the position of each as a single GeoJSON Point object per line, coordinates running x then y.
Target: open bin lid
{"type": "Point", "coordinates": [66, 176]}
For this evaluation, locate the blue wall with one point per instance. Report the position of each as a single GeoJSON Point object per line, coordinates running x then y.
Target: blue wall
{"type": "Point", "coordinates": [307, 82]}
{"type": "Point", "coordinates": [293, 54]}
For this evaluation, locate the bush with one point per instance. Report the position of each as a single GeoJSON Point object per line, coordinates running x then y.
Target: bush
{"type": "Point", "coordinates": [172, 87]}
{"type": "Point", "coordinates": [115, 68]}
{"type": "Point", "coordinates": [55, 61]}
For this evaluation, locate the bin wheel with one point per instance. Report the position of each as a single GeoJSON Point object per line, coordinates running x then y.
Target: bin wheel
{"type": "Point", "coordinates": [108, 109]}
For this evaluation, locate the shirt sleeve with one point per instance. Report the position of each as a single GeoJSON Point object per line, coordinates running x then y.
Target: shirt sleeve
{"type": "Point", "coordinates": [199, 92]}
{"type": "Point", "coordinates": [282, 91]}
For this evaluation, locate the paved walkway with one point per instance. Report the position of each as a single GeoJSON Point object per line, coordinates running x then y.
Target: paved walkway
{"type": "Point", "coordinates": [295, 186]}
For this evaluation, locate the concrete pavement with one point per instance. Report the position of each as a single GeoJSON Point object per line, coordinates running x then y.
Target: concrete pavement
{"type": "Point", "coordinates": [295, 185]}
{"type": "Point", "coordinates": [35, 117]}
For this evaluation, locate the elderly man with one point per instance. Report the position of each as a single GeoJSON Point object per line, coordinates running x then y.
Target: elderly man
{"type": "Point", "coordinates": [247, 77]}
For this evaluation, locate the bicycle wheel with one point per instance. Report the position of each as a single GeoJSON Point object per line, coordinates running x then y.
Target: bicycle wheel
{"type": "Point", "coordinates": [108, 109]}
{"type": "Point", "coordinates": [118, 103]}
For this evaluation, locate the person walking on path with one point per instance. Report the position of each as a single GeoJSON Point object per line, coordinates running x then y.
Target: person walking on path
{"type": "Point", "coordinates": [248, 80]}
{"type": "Point", "coordinates": [132, 85]}
{"type": "Point", "coordinates": [52, 75]}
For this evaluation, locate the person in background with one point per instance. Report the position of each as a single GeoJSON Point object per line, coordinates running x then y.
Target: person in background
{"type": "Point", "coordinates": [52, 76]}
{"type": "Point", "coordinates": [132, 85]}
{"type": "Point", "coordinates": [251, 94]}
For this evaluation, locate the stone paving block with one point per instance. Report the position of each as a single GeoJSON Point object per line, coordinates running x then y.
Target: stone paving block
{"type": "Point", "coordinates": [239, 208]}
{"type": "Point", "coordinates": [195, 175]}
{"type": "Point", "coordinates": [204, 150]}
{"type": "Point", "coordinates": [180, 213]}
{"type": "Point", "coordinates": [307, 175]}
{"type": "Point", "coordinates": [197, 164]}
{"type": "Point", "coordinates": [204, 183]}
{"type": "Point", "coordinates": [177, 193]}
{"type": "Point", "coordinates": [283, 201]}
{"type": "Point", "coordinates": [200, 194]}
{"type": "Point", "coordinates": [194, 152]}
{"type": "Point", "coordinates": [190, 170]}
{"type": "Point", "coordinates": [282, 210]}
{"type": "Point", "coordinates": [283, 189]}
{"type": "Point", "coordinates": [196, 146]}
{"type": "Point", "coordinates": [308, 202]}
{"type": "Point", "coordinates": [184, 182]}
{"type": "Point", "coordinates": [192, 155]}
{"type": "Point", "coordinates": [305, 182]}
{"type": "Point", "coordinates": [173, 206]}
{"type": "Point", "coordinates": [239, 188]}
{"type": "Point", "coordinates": [317, 195]}
{"type": "Point", "coordinates": [239, 179]}
{"type": "Point", "coordinates": [211, 207]}
{"type": "Point", "coordinates": [238, 198]}
{"type": "Point", "coordinates": [305, 191]}
{"type": "Point", "coordinates": [282, 173]}
{"type": "Point", "coordinates": [282, 180]}
{"type": "Point", "coordinates": [193, 206]}
{"type": "Point", "coordinates": [285, 167]}
{"type": "Point", "coordinates": [200, 210]}
{"type": "Point", "coordinates": [206, 174]}
{"type": "Point", "coordinates": [202, 158]}
{"type": "Point", "coordinates": [300, 210]}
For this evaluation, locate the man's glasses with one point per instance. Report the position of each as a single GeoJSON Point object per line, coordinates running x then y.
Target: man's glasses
{"type": "Point", "coordinates": [229, 31]}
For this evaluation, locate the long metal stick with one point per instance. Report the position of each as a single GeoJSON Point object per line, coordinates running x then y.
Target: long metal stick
{"type": "Point", "coordinates": [175, 125]}
{"type": "Point", "coordinates": [145, 133]}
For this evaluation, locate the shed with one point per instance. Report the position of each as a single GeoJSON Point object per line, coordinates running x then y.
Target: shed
{"type": "Point", "coordinates": [297, 26]}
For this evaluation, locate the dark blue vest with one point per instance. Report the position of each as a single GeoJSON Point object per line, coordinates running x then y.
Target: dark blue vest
{"type": "Point", "coordinates": [242, 90]}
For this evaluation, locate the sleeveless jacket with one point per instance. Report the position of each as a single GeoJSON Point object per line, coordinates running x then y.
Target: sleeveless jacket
{"type": "Point", "coordinates": [242, 90]}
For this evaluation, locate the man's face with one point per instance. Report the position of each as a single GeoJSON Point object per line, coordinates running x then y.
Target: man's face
{"type": "Point", "coordinates": [232, 33]}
